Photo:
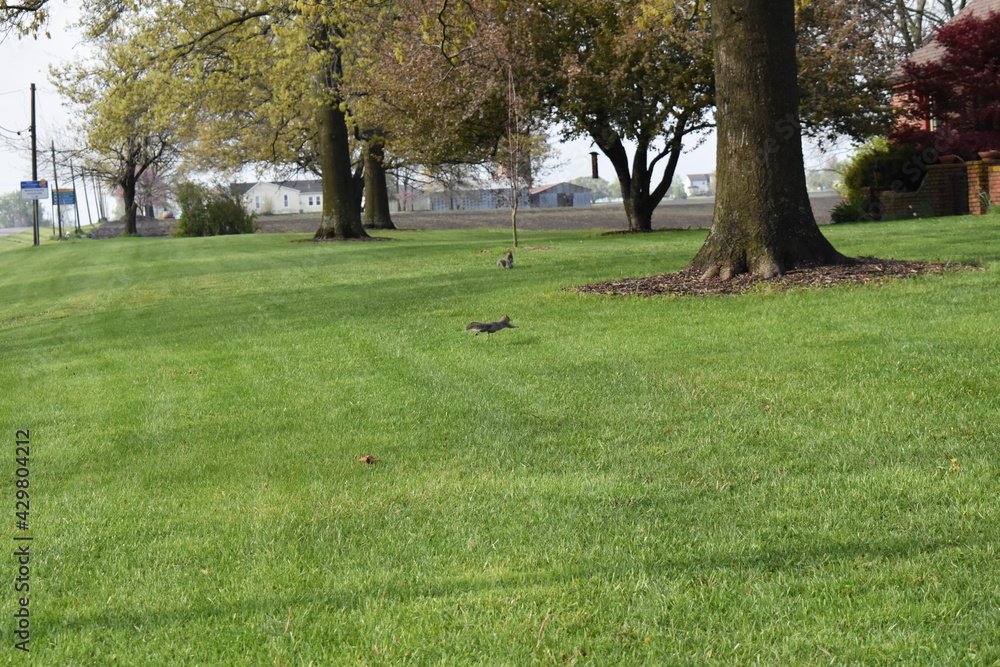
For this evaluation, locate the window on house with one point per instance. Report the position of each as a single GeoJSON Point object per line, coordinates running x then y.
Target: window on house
{"type": "Point", "coordinates": [317, 200]}
{"type": "Point", "coordinates": [256, 202]}
{"type": "Point", "coordinates": [286, 201]}
{"type": "Point", "coordinates": [310, 201]}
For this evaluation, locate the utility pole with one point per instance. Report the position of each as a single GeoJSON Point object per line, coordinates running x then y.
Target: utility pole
{"type": "Point", "coordinates": [55, 192]}
{"type": "Point", "coordinates": [34, 161]}
{"type": "Point", "coordinates": [86, 197]}
{"type": "Point", "coordinates": [76, 206]}
{"type": "Point", "coordinates": [100, 197]}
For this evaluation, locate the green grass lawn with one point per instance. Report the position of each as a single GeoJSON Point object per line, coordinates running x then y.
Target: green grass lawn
{"type": "Point", "coordinates": [804, 477]}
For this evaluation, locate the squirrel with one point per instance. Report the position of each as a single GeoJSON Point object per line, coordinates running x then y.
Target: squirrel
{"type": "Point", "coordinates": [490, 327]}
{"type": "Point", "coordinates": [506, 263]}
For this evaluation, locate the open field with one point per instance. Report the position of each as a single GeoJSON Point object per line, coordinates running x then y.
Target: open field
{"type": "Point", "coordinates": [683, 214]}
{"type": "Point", "coordinates": [801, 477]}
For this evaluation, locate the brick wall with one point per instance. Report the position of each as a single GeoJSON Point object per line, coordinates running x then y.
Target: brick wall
{"type": "Point", "coordinates": [944, 191]}
{"type": "Point", "coordinates": [984, 186]}
{"type": "Point", "coordinates": [948, 189]}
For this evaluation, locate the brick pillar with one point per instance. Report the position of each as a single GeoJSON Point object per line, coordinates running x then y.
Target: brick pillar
{"type": "Point", "coordinates": [979, 182]}
{"type": "Point", "coordinates": [994, 183]}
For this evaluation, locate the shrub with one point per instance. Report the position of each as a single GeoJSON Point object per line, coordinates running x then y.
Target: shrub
{"type": "Point", "coordinates": [853, 209]}
{"type": "Point", "coordinates": [902, 168]}
{"type": "Point", "coordinates": [206, 212]}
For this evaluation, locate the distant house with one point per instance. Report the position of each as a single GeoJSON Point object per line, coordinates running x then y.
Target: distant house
{"type": "Point", "coordinates": [546, 196]}
{"type": "Point", "coordinates": [468, 200]}
{"type": "Point", "coordinates": [559, 195]}
{"type": "Point", "coordinates": [698, 184]}
{"type": "Point", "coordinates": [267, 198]}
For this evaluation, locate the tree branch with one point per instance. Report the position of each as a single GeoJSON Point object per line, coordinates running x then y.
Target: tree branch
{"type": "Point", "coordinates": [187, 48]}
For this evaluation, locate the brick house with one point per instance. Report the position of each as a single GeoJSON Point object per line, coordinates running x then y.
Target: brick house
{"type": "Point", "coordinates": [947, 189]}
{"type": "Point", "coordinates": [933, 51]}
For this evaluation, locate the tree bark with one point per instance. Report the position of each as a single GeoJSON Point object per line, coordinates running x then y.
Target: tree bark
{"type": "Point", "coordinates": [341, 218]}
{"type": "Point", "coordinates": [763, 222]}
{"type": "Point", "coordinates": [131, 206]}
{"type": "Point", "coordinates": [377, 215]}
{"type": "Point", "coordinates": [639, 197]}
{"type": "Point", "coordinates": [633, 185]}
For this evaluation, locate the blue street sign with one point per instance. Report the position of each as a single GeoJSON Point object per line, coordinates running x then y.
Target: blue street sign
{"type": "Point", "coordinates": [64, 197]}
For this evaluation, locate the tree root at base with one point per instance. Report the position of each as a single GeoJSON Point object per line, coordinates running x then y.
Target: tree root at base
{"type": "Point", "coordinates": [694, 282]}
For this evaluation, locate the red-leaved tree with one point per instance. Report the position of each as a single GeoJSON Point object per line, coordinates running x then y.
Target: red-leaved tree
{"type": "Point", "coordinates": [960, 90]}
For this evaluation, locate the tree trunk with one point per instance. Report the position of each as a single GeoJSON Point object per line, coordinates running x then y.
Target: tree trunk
{"type": "Point", "coordinates": [638, 207]}
{"type": "Point", "coordinates": [639, 198]}
{"type": "Point", "coordinates": [131, 205]}
{"type": "Point", "coordinates": [377, 215]}
{"type": "Point", "coordinates": [341, 215]}
{"type": "Point", "coordinates": [639, 218]}
{"type": "Point", "coordinates": [763, 222]}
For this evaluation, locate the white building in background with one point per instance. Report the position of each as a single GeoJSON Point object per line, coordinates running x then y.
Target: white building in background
{"type": "Point", "coordinates": [265, 198]}
{"type": "Point", "coordinates": [547, 196]}
{"type": "Point", "coordinates": [698, 184]}
{"type": "Point", "coordinates": [559, 195]}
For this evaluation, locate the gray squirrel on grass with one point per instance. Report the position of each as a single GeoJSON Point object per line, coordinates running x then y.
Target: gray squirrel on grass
{"type": "Point", "coordinates": [490, 327]}
{"type": "Point", "coordinates": [506, 263]}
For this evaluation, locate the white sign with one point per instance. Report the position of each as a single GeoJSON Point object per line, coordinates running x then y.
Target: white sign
{"type": "Point", "coordinates": [34, 189]}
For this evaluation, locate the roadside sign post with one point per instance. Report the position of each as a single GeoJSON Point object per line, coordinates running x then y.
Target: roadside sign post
{"type": "Point", "coordinates": [60, 198]}
{"type": "Point", "coordinates": [64, 197]}
{"type": "Point", "coordinates": [34, 191]}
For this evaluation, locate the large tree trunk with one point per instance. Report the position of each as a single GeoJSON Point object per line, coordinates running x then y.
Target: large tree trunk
{"type": "Point", "coordinates": [639, 197]}
{"type": "Point", "coordinates": [634, 186]}
{"type": "Point", "coordinates": [131, 205]}
{"type": "Point", "coordinates": [341, 194]}
{"type": "Point", "coordinates": [763, 222]}
{"type": "Point", "coordinates": [638, 208]}
{"type": "Point", "coordinates": [341, 215]}
{"type": "Point", "coordinates": [377, 214]}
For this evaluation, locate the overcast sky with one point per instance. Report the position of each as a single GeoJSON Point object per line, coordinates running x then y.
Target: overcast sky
{"type": "Point", "coordinates": [23, 62]}
{"type": "Point", "coordinates": [26, 61]}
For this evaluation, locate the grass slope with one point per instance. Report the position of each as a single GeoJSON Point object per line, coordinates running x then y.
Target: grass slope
{"type": "Point", "coordinates": [777, 478]}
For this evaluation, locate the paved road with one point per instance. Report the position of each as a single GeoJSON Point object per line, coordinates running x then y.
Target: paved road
{"type": "Point", "coordinates": [8, 231]}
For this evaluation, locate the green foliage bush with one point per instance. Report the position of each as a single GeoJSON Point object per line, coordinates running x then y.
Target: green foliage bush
{"type": "Point", "coordinates": [208, 212]}
{"type": "Point", "coordinates": [852, 209]}
{"type": "Point", "coordinates": [902, 168]}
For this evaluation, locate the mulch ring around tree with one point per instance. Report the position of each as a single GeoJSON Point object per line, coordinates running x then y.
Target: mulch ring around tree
{"type": "Point", "coordinates": [149, 227]}
{"type": "Point", "coordinates": [313, 239]}
{"type": "Point", "coordinates": [689, 282]}
{"type": "Point", "coordinates": [629, 232]}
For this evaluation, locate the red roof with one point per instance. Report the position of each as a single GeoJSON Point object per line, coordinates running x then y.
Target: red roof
{"type": "Point", "coordinates": [932, 50]}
